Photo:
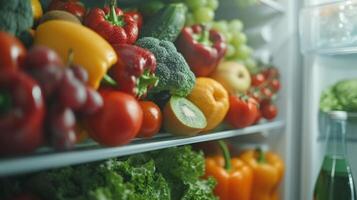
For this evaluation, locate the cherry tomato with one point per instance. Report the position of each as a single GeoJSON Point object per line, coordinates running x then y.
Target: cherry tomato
{"type": "Point", "coordinates": [258, 117]}
{"type": "Point", "coordinates": [12, 51]}
{"type": "Point", "coordinates": [258, 79]}
{"type": "Point", "coordinates": [275, 85]}
{"type": "Point", "coordinates": [152, 119]}
{"type": "Point", "coordinates": [74, 7]}
{"type": "Point", "coordinates": [269, 111]}
{"type": "Point", "coordinates": [271, 72]}
{"type": "Point", "coordinates": [242, 111]}
{"type": "Point", "coordinates": [118, 121]}
{"type": "Point", "coordinates": [266, 93]}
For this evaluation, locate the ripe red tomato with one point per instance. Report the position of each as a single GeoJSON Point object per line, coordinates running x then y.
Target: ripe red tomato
{"type": "Point", "coordinates": [271, 72]}
{"type": "Point", "coordinates": [12, 51]}
{"type": "Point", "coordinates": [275, 85]}
{"type": "Point", "coordinates": [152, 119]}
{"type": "Point", "coordinates": [267, 93]}
{"type": "Point", "coordinates": [242, 111]}
{"type": "Point", "coordinates": [258, 79]}
{"type": "Point", "coordinates": [269, 111]}
{"type": "Point", "coordinates": [118, 121]}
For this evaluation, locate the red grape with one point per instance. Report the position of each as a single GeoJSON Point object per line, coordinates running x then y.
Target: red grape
{"type": "Point", "coordinates": [40, 57]}
{"type": "Point", "coordinates": [72, 92]}
{"type": "Point", "coordinates": [48, 77]}
{"type": "Point", "coordinates": [94, 102]}
{"type": "Point", "coordinates": [80, 73]}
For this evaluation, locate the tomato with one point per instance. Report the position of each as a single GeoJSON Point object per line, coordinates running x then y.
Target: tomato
{"type": "Point", "coordinates": [275, 85]}
{"type": "Point", "coordinates": [152, 119]}
{"type": "Point", "coordinates": [242, 111]}
{"type": "Point", "coordinates": [271, 72]}
{"type": "Point", "coordinates": [12, 51]}
{"type": "Point", "coordinates": [258, 117]}
{"type": "Point", "coordinates": [269, 111]}
{"type": "Point", "coordinates": [266, 93]}
{"type": "Point", "coordinates": [118, 121]}
{"type": "Point", "coordinates": [258, 79]}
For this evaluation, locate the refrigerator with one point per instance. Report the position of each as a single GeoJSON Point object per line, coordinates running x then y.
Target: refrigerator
{"type": "Point", "coordinates": [294, 35]}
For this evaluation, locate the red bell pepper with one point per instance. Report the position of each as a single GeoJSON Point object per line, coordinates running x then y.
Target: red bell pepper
{"type": "Point", "coordinates": [203, 49]}
{"type": "Point", "coordinates": [21, 113]}
{"type": "Point", "coordinates": [137, 17]}
{"type": "Point", "coordinates": [134, 72]}
{"type": "Point", "coordinates": [113, 24]}
{"type": "Point", "coordinates": [72, 6]}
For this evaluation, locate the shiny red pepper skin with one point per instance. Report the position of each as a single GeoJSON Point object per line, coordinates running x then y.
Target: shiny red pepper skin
{"type": "Point", "coordinates": [201, 53]}
{"type": "Point", "coordinates": [135, 69]}
{"type": "Point", "coordinates": [72, 6]}
{"type": "Point", "coordinates": [21, 124]}
{"type": "Point", "coordinates": [123, 30]}
{"type": "Point", "coordinates": [137, 17]}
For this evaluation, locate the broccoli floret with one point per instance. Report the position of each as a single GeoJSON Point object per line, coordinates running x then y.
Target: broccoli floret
{"type": "Point", "coordinates": [172, 70]}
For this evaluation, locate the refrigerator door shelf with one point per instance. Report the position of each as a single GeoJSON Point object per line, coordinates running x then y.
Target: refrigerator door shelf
{"type": "Point", "coordinates": [329, 28]}
{"type": "Point", "coordinates": [258, 14]}
{"type": "Point", "coordinates": [89, 152]}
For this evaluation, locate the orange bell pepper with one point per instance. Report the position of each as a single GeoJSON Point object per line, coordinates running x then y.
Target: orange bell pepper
{"type": "Point", "coordinates": [268, 170]}
{"type": "Point", "coordinates": [234, 177]}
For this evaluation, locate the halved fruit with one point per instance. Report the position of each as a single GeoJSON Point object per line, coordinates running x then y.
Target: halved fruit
{"type": "Point", "coordinates": [182, 117]}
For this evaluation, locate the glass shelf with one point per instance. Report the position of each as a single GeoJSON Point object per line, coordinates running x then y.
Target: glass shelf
{"type": "Point", "coordinates": [46, 158]}
{"type": "Point", "coordinates": [329, 29]}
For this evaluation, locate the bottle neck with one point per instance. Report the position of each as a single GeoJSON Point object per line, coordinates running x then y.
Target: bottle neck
{"type": "Point", "coordinates": [336, 138]}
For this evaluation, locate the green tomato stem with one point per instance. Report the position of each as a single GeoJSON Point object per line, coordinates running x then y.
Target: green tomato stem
{"type": "Point", "coordinates": [109, 80]}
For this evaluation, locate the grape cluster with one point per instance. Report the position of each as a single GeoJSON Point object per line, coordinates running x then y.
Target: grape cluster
{"type": "Point", "coordinates": [237, 48]}
{"type": "Point", "coordinates": [66, 93]}
{"type": "Point", "coordinates": [200, 11]}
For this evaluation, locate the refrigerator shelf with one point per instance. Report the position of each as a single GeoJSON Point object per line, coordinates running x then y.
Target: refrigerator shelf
{"type": "Point", "coordinates": [45, 158]}
{"type": "Point", "coordinates": [329, 29]}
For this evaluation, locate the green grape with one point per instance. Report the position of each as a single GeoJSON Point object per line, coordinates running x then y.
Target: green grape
{"type": "Point", "coordinates": [203, 15]}
{"type": "Point", "coordinates": [251, 65]}
{"type": "Point", "coordinates": [239, 39]}
{"type": "Point", "coordinates": [213, 4]}
{"type": "Point", "coordinates": [243, 52]}
{"type": "Point", "coordinates": [230, 51]}
{"type": "Point", "coordinates": [228, 36]}
{"type": "Point", "coordinates": [235, 25]}
{"type": "Point", "coordinates": [190, 20]}
{"type": "Point", "coordinates": [221, 26]}
{"type": "Point", "coordinates": [195, 4]}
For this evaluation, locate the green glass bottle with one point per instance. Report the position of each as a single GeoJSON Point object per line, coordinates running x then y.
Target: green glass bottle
{"type": "Point", "coordinates": [335, 181]}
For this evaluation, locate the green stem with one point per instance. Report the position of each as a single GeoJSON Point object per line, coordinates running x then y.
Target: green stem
{"type": "Point", "coordinates": [226, 155]}
{"type": "Point", "coordinates": [112, 14]}
{"type": "Point", "coordinates": [5, 101]}
{"type": "Point", "coordinates": [204, 37]}
{"type": "Point", "coordinates": [261, 156]}
{"type": "Point", "coordinates": [109, 80]}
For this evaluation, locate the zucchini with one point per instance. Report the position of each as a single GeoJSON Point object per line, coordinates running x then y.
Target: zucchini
{"type": "Point", "coordinates": [166, 24]}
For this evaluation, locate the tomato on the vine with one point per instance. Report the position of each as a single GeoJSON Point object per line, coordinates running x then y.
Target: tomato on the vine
{"type": "Point", "coordinates": [275, 85]}
{"type": "Point", "coordinates": [242, 111]}
{"type": "Point", "coordinates": [266, 93]}
{"type": "Point", "coordinates": [269, 111]}
{"type": "Point", "coordinates": [152, 119]}
{"type": "Point", "coordinates": [258, 79]}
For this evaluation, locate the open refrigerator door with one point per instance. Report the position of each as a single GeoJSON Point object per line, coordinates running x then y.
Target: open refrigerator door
{"type": "Point", "coordinates": [263, 30]}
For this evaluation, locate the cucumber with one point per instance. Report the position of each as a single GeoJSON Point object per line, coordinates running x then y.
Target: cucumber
{"type": "Point", "coordinates": [166, 24]}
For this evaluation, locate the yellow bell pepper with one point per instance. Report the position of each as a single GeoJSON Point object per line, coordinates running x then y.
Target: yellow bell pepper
{"type": "Point", "coordinates": [212, 99]}
{"type": "Point", "coordinates": [36, 9]}
{"type": "Point", "coordinates": [90, 50]}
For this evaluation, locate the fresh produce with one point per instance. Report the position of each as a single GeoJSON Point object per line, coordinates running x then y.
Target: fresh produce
{"type": "Point", "coordinates": [210, 97]}
{"type": "Point", "coordinates": [166, 24]}
{"type": "Point", "coordinates": [169, 174]}
{"type": "Point", "coordinates": [10, 19]}
{"type": "Point", "coordinates": [113, 24]}
{"type": "Point", "coordinates": [234, 177]}
{"type": "Point", "coordinates": [72, 6]}
{"type": "Point", "coordinates": [341, 96]}
{"type": "Point", "coordinates": [175, 76]}
{"type": "Point", "coordinates": [95, 57]}
{"type": "Point", "coordinates": [136, 15]}
{"type": "Point", "coordinates": [36, 9]}
{"type": "Point", "coordinates": [202, 48]}
{"type": "Point", "coordinates": [234, 77]}
{"type": "Point", "coordinates": [237, 49]}
{"type": "Point", "coordinates": [268, 110]}
{"type": "Point", "coordinates": [268, 171]}
{"type": "Point", "coordinates": [243, 111]}
{"type": "Point", "coordinates": [134, 72]}
{"type": "Point", "coordinates": [118, 121]}
{"type": "Point", "coordinates": [12, 51]}
{"type": "Point", "coordinates": [200, 11]}
{"type": "Point", "coordinates": [150, 8]}
{"type": "Point", "coordinates": [182, 117]}
{"type": "Point", "coordinates": [152, 119]}
{"type": "Point", "coordinates": [21, 113]}
{"type": "Point", "coordinates": [59, 15]}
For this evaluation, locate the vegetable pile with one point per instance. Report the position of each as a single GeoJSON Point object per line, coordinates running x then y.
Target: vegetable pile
{"type": "Point", "coordinates": [169, 174]}
{"type": "Point", "coordinates": [111, 73]}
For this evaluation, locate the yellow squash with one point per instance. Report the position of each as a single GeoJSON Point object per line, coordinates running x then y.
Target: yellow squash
{"type": "Point", "coordinates": [212, 99]}
{"type": "Point", "coordinates": [90, 50]}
